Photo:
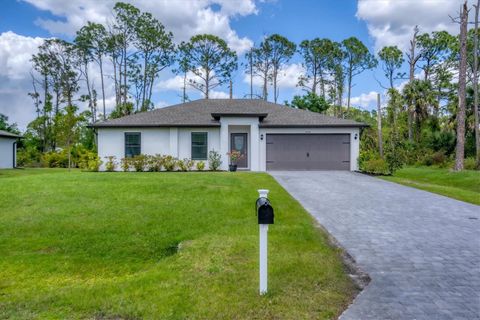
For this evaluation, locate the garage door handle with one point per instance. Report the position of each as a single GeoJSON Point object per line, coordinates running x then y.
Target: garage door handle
{"type": "Point", "coordinates": [308, 154]}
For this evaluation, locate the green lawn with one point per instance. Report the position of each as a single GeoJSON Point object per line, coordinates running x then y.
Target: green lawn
{"type": "Point", "coordinates": [104, 246]}
{"type": "Point", "coordinates": [464, 185]}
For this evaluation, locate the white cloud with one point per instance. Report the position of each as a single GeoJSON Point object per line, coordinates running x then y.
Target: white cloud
{"type": "Point", "coordinates": [15, 66]}
{"type": "Point", "coordinates": [365, 100]}
{"type": "Point", "coordinates": [391, 22]}
{"type": "Point", "coordinates": [218, 95]}
{"type": "Point", "coordinates": [287, 77]}
{"type": "Point", "coordinates": [15, 54]}
{"type": "Point", "coordinates": [183, 18]}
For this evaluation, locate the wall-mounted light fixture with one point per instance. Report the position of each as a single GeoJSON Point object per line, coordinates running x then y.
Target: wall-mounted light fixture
{"type": "Point", "coordinates": [356, 136]}
{"type": "Point", "coordinates": [261, 136]}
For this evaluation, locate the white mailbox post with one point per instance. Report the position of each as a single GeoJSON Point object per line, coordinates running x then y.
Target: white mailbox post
{"type": "Point", "coordinates": [265, 217]}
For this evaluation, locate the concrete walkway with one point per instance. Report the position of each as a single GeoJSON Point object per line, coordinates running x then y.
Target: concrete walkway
{"type": "Point", "coordinates": [421, 250]}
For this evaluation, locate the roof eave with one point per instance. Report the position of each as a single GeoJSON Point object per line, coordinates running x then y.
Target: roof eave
{"type": "Point", "coordinates": [342, 125]}
{"type": "Point", "coordinates": [210, 125]}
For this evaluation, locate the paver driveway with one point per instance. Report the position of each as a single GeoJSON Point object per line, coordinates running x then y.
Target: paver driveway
{"type": "Point", "coordinates": [421, 250]}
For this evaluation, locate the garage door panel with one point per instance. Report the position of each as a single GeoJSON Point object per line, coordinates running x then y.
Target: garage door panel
{"type": "Point", "coordinates": [308, 151]}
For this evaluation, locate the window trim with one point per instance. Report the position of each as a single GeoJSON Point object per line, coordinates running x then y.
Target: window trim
{"type": "Point", "coordinates": [206, 145]}
{"type": "Point", "coordinates": [125, 142]}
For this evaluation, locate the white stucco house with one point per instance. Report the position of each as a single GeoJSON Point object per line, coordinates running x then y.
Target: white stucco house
{"type": "Point", "coordinates": [8, 150]}
{"type": "Point", "coordinates": [270, 136]}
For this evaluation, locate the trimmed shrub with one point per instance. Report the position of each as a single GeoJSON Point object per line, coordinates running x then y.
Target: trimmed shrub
{"type": "Point", "coordinates": [90, 162]}
{"type": "Point", "coordinates": [200, 165]}
{"type": "Point", "coordinates": [214, 160]}
{"type": "Point", "coordinates": [170, 163]}
{"type": "Point", "coordinates": [154, 163]}
{"type": "Point", "coordinates": [185, 164]}
{"type": "Point", "coordinates": [125, 164]}
{"type": "Point", "coordinates": [139, 162]}
{"type": "Point", "coordinates": [111, 164]}
{"type": "Point", "coordinates": [55, 159]}
{"type": "Point", "coordinates": [376, 166]}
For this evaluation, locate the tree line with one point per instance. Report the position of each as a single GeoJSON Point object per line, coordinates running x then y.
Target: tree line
{"type": "Point", "coordinates": [132, 50]}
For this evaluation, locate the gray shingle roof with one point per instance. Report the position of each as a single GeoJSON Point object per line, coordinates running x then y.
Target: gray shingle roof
{"type": "Point", "coordinates": [198, 113]}
{"type": "Point", "coordinates": [8, 134]}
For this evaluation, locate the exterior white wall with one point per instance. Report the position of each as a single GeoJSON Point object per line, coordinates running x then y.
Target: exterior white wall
{"type": "Point", "coordinates": [177, 141]}
{"type": "Point", "coordinates": [6, 153]}
{"type": "Point", "coordinates": [354, 142]}
{"type": "Point", "coordinates": [165, 141]}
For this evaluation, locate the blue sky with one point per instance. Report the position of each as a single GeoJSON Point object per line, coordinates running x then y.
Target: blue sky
{"type": "Point", "coordinates": [23, 25]}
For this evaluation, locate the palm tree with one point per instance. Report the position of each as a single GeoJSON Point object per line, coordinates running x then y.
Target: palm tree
{"type": "Point", "coordinates": [421, 100]}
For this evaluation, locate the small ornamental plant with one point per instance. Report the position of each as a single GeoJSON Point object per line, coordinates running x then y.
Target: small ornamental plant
{"type": "Point", "coordinates": [200, 166]}
{"type": "Point", "coordinates": [111, 163]}
{"type": "Point", "coordinates": [170, 163]}
{"type": "Point", "coordinates": [234, 156]}
{"type": "Point", "coordinates": [125, 164]}
{"type": "Point", "coordinates": [214, 160]}
{"type": "Point", "coordinates": [139, 162]}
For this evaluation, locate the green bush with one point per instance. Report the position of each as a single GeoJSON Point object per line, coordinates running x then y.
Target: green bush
{"type": "Point", "coordinates": [170, 163]}
{"type": "Point", "coordinates": [29, 157]}
{"type": "Point", "coordinates": [185, 164]}
{"type": "Point", "coordinates": [470, 164]}
{"type": "Point", "coordinates": [90, 161]}
{"type": "Point", "coordinates": [55, 159]}
{"type": "Point", "coordinates": [111, 163]}
{"type": "Point", "coordinates": [376, 166]}
{"type": "Point", "coordinates": [214, 160]}
{"type": "Point", "coordinates": [125, 164]}
{"type": "Point", "coordinates": [200, 165]}
{"type": "Point", "coordinates": [155, 163]}
{"type": "Point", "coordinates": [139, 162]}
{"type": "Point", "coordinates": [437, 158]}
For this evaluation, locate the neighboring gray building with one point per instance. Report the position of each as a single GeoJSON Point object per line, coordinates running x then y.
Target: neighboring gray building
{"type": "Point", "coordinates": [271, 136]}
{"type": "Point", "coordinates": [8, 149]}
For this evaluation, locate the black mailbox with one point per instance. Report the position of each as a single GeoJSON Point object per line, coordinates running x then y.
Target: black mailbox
{"type": "Point", "coordinates": [264, 211]}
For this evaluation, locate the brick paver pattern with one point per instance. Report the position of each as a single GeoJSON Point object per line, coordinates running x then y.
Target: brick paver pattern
{"type": "Point", "coordinates": [421, 250]}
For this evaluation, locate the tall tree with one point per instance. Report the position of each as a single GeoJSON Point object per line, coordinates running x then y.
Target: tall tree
{"type": "Point", "coordinates": [249, 69]}
{"type": "Point", "coordinates": [156, 48]}
{"type": "Point", "coordinates": [420, 95]}
{"type": "Point", "coordinates": [210, 59]}
{"type": "Point", "coordinates": [412, 59]}
{"type": "Point", "coordinates": [462, 84]}
{"type": "Point", "coordinates": [92, 38]}
{"type": "Point", "coordinates": [282, 51]}
{"type": "Point", "coordinates": [379, 126]}
{"type": "Point", "coordinates": [475, 87]}
{"type": "Point", "coordinates": [5, 126]}
{"type": "Point", "coordinates": [318, 62]}
{"type": "Point", "coordinates": [392, 60]}
{"type": "Point", "coordinates": [68, 129]}
{"type": "Point", "coordinates": [126, 16]}
{"type": "Point", "coordinates": [433, 50]}
{"type": "Point", "coordinates": [357, 59]}
{"type": "Point", "coordinates": [262, 65]}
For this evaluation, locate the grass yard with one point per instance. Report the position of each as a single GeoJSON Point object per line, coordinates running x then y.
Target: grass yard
{"type": "Point", "coordinates": [464, 186]}
{"type": "Point", "coordinates": [158, 246]}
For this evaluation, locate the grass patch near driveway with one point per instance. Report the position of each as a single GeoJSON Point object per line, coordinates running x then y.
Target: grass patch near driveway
{"type": "Point", "coordinates": [464, 185]}
{"type": "Point", "coordinates": [158, 246]}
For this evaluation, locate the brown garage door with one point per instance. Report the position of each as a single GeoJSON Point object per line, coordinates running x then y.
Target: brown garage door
{"type": "Point", "coordinates": [308, 152]}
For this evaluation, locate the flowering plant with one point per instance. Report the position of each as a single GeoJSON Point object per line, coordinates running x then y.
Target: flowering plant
{"type": "Point", "coordinates": [234, 156]}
